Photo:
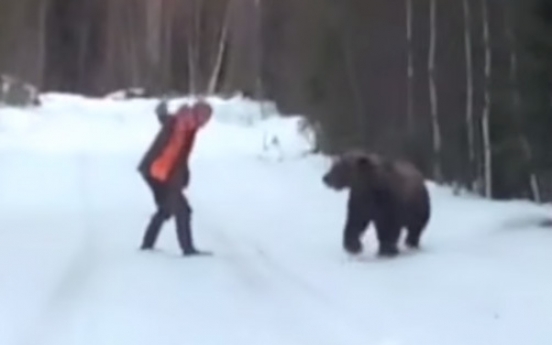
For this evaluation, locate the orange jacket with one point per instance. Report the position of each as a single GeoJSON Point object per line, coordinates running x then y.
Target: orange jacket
{"type": "Point", "coordinates": [178, 146]}
{"type": "Point", "coordinates": [167, 158]}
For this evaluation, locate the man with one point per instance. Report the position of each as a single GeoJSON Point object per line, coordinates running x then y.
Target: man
{"type": "Point", "coordinates": [165, 169]}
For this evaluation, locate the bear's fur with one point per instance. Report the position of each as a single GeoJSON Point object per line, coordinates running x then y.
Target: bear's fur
{"type": "Point", "coordinates": [391, 193]}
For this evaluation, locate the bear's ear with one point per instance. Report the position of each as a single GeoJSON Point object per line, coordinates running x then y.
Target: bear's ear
{"type": "Point", "coordinates": [364, 163]}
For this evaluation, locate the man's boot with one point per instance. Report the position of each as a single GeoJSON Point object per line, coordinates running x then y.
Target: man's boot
{"type": "Point", "coordinates": [184, 228]}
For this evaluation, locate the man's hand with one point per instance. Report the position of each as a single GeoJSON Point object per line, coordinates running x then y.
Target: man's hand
{"type": "Point", "coordinates": [162, 112]}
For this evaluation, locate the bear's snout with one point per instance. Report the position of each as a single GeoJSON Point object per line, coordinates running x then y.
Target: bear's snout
{"type": "Point", "coordinates": [330, 182]}
{"type": "Point", "coordinates": [333, 181]}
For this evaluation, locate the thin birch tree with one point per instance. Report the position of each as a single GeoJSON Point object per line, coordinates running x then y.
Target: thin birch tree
{"type": "Point", "coordinates": [259, 90]}
{"type": "Point", "coordinates": [352, 76]}
{"type": "Point", "coordinates": [469, 88]}
{"type": "Point", "coordinates": [487, 153]}
{"type": "Point", "coordinates": [221, 51]}
{"type": "Point", "coordinates": [516, 97]}
{"type": "Point", "coordinates": [410, 69]}
{"type": "Point", "coordinates": [437, 171]}
{"type": "Point", "coordinates": [194, 13]}
{"type": "Point", "coordinates": [42, 39]}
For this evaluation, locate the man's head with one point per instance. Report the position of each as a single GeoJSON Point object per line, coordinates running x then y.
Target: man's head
{"type": "Point", "coordinates": [202, 112]}
{"type": "Point", "coordinates": [195, 116]}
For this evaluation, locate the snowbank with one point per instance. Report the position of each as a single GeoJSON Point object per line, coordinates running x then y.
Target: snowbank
{"type": "Point", "coordinates": [72, 123]}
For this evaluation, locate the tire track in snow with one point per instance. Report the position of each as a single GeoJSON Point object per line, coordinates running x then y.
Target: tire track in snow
{"type": "Point", "coordinates": [65, 297]}
{"type": "Point", "coordinates": [262, 284]}
{"type": "Point", "coordinates": [63, 300]}
{"type": "Point", "coordinates": [237, 262]}
{"type": "Point", "coordinates": [312, 316]}
{"type": "Point", "coordinates": [244, 261]}
{"type": "Point", "coordinates": [334, 316]}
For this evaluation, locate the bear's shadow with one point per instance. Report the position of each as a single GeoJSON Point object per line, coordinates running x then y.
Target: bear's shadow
{"type": "Point", "coordinates": [369, 255]}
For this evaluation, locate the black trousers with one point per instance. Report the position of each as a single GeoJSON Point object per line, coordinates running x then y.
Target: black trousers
{"type": "Point", "coordinates": [170, 202]}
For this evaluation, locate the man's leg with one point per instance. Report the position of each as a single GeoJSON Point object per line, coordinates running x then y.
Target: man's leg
{"type": "Point", "coordinates": [183, 215]}
{"type": "Point", "coordinates": [154, 228]}
{"type": "Point", "coordinates": [162, 214]}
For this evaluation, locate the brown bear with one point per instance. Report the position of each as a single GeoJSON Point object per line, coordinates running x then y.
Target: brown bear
{"type": "Point", "coordinates": [391, 193]}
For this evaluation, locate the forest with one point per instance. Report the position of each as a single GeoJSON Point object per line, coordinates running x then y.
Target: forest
{"type": "Point", "coordinates": [462, 88]}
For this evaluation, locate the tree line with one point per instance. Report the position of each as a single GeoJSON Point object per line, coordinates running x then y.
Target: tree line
{"type": "Point", "coordinates": [463, 88]}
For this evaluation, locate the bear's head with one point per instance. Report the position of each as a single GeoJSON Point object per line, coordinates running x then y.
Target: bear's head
{"type": "Point", "coordinates": [352, 169]}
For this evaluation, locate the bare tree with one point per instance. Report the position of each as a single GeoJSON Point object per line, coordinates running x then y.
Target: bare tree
{"type": "Point", "coordinates": [437, 171]}
{"type": "Point", "coordinates": [469, 87]}
{"type": "Point", "coordinates": [43, 37]}
{"type": "Point", "coordinates": [352, 77]}
{"type": "Point", "coordinates": [154, 32]}
{"type": "Point", "coordinates": [167, 16]}
{"type": "Point", "coordinates": [194, 12]}
{"type": "Point", "coordinates": [516, 97]}
{"type": "Point", "coordinates": [223, 42]}
{"type": "Point", "coordinates": [259, 89]}
{"type": "Point", "coordinates": [487, 149]}
{"type": "Point", "coordinates": [410, 68]}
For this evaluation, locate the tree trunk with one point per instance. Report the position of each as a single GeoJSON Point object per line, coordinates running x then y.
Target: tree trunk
{"type": "Point", "coordinates": [533, 180]}
{"type": "Point", "coordinates": [486, 110]}
{"type": "Point", "coordinates": [167, 60]}
{"type": "Point", "coordinates": [352, 78]}
{"type": "Point", "coordinates": [469, 91]}
{"type": "Point", "coordinates": [437, 171]}
{"type": "Point", "coordinates": [516, 98]}
{"type": "Point", "coordinates": [259, 89]}
{"type": "Point", "coordinates": [153, 41]}
{"type": "Point", "coordinates": [197, 44]}
{"type": "Point", "coordinates": [42, 39]}
{"type": "Point", "coordinates": [410, 70]}
{"type": "Point", "coordinates": [133, 53]}
{"type": "Point", "coordinates": [215, 74]}
{"type": "Point", "coordinates": [83, 51]}
{"type": "Point", "coordinates": [192, 47]}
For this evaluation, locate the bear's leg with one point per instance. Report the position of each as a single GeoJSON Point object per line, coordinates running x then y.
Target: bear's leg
{"type": "Point", "coordinates": [418, 220]}
{"type": "Point", "coordinates": [414, 234]}
{"type": "Point", "coordinates": [355, 226]}
{"type": "Point", "coordinates": [388, 230]}
{"type": "Point", "coordinates": [358, 218]}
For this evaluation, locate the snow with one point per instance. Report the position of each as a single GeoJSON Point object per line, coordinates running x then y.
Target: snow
{"type": "Point", "coordinates": [73, 210]}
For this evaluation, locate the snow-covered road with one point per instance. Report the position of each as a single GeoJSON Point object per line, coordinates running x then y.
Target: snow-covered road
{"type": "Point", "coordinates": [72, 218]}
